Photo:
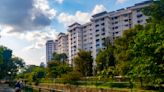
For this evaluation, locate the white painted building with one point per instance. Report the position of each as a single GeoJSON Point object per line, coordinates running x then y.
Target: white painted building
{"type": "Point", "coordinates": [51, 47]}
{"type": "Point", "coordinates": [75, 37]}
{"type": "Point", "coordinates": [91, 36]}
{"type": "Point", "coordinates": [62, 43]}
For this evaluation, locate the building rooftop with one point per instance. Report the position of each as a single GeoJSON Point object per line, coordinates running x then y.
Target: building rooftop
{"type": "Point", "coordinates": [74, 24]}
{"type": "Point", "coordinates": [100, 14]}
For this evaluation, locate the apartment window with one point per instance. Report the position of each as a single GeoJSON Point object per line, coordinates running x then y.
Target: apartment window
{"type": "Point", "coordinates": [116, 32]}
{"type": "Point", "coordinates": [103, 34]}
{"type": "Point", "coordinates": [85, 39]}
{"type": "Point", "coordinates": [85, 35]}
{"type": "Point", "coordinates": [97, 30]}
{"type": "Point", "coordinates": [90, 37]}
{"type": "Point", "coordinates": [85, 26]}
{"type": "Point", "coordinates": [103, 29]}
{"type": "Point", "coordinates": [126, 20]}
{"type": "Point", "coordinates": [125, 15]}
{"type": "Point", "coordinates": [97, 40]}
{"type": "Point", "coordinates": [102, 24]}
{"type": "Point", "coordinates": [126, 25]}
{"type": "Point", "coordinates": [139, 21]}
{"type": "Point", "coordinates": [91, 47]}
{"type": "Point", "coordinates": [97, 35]}
{"type": "Point", "coordinates": [102, 19]}
{"type": "Point", "coordinates": [116, 27]}
{"type": "Point", "coordinates": [97, 45]}
{"type": "Point", "coordinates": [115, 17]}
{"type": "Point", "coordinates": [103, 39]}
{"type": "Point", "coordinates": [139, 15]}
{"type": "Point", "coordinates": [97, 25]}
{"type": "Point", "coordinates": [116, 22]}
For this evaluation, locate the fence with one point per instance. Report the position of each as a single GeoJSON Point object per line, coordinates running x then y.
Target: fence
{"type": "Point", "coordinates": [40, 89]}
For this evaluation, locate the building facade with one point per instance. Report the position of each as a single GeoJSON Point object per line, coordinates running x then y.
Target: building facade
{"type": "Point", "coordinates": [91, 36]}
{"type": "Point", "coordinates": [75, 37]}
{"type": "Point", "coordinates": [62, 43]}
{"type": "Point", "coordinates": [51, 47]}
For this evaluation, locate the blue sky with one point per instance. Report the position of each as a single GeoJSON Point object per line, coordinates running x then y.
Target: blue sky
{"type": "Point", "coordinates": [25, 25]}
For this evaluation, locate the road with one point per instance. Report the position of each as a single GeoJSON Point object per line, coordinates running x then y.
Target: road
{"type": "Point", "coordinates": [5, 88]}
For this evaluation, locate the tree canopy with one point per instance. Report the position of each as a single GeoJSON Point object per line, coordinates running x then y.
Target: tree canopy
{"type": "Point", "coordinates": [84, 63]}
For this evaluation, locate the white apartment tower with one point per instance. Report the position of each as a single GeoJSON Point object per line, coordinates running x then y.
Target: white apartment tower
{"type": "Point", "coordinates": [62, 43]}
{"type": "Point", "coordinates": [87, 31]}
{"type": "Point", "coordinates": [51, 47]}
{"type": "Point", "coordinates": [101, 29]}
{"type": "Point", "coordinates": [91, 36]}
{"type": "Point", "coordinates": [75, 37]}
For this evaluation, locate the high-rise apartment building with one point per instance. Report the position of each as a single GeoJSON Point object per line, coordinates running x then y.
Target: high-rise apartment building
{"type": "Point", "coordinates": [62, 43]}
{"type": "Point", "coordinates": [51, 47]}
{"type": "Point", "coordinates": [91, 36]}
{"type": "Point", "coordinates": [75, 37]}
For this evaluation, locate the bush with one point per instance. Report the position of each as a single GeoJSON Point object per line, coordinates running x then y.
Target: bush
{"type": "Point", "coordinates": [71, 78]}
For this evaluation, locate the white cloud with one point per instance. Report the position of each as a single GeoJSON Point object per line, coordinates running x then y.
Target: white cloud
{"type": "Point", "coordinates": [43, 6]}
{"type": "Point", "coordinates": [98, 9]}
{"type": "Point", "coordinates": [121, 1]}
{"type": "Point", "coordinates": [36, 38]}
{"type": "Point", "coordinates": [67, 19]}
{"type": "Point", "coordinates": [59, 1]}
{"type": "Point", "coordinates": [80, 17]}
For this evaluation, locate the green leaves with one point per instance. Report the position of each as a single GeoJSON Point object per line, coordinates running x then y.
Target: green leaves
{"type": "Point", "coordinates": [84, 63]}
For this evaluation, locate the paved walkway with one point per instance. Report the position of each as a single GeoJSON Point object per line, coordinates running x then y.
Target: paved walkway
{"type": "Point", "coordinates": [5, 88]}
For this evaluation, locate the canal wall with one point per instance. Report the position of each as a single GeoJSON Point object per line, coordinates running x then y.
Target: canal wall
{"type": "Point", "coordinates": [73, 88]}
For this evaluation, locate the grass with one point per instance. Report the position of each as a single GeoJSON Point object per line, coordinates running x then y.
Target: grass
{"type": "Point", "coordinates": [106, 84]}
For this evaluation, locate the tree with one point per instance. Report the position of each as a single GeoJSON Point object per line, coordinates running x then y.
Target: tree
{"type": "Point", "coordinates": [59, 57]}
{"type": "Point", "coordinates": [122, 53]}
{"type": "Point", "coordinates": [148, 51]}
{"type": "Point", "coordinates": [148, 47]}
{"type": "Point", "coordinates": [56, 69]}
{"type": "Point", "coordinates": [84, 63]}
{"type": "Point", "coordinates": [105, 58]}
{"type": "Point", "coordinates": [155, 11]}
{"type": "Point", "coordinates": [9, 66]}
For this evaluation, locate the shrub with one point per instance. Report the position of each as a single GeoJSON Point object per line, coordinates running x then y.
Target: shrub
{"type": "Point", "coordinates": [71, 78]}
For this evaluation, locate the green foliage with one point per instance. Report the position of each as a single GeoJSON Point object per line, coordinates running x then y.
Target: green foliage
{"type": "Point", "coordinates": [84, 63]}
{"type": "Point", "coordinates": [155, 11]}
{"type": "Point", "coordinates": [56, 69]}
{"type": "Point", "coordinates": [9, 66]}
{"type": "Point", "coordinates": [33, 73]}
{"type": "Point", "coordinates": [105, 58]}
{"type": "Point", "coordinates": [148, 54]}
{"type": "Point", "coordinates": [71, 77]}
{"type": "Point", "coordinates": [122, 53]}
{"type": "Point", "coordinates": [59, 57]}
